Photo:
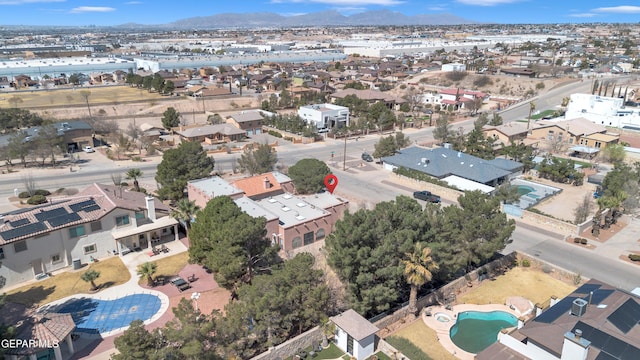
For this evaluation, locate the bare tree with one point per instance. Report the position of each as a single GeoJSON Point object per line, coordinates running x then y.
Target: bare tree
{"type": "Point", "coordinates": [582, 211]}
{"type": "Point", "coordinates": [29, 184]}
{"type": "Point", "coordinates": [85, 95]}
{"type": "Point", "coordinates": [116, 178]}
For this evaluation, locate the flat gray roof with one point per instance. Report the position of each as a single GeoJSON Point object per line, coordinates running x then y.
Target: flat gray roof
{"type": "Point", "coordinates": [291, 210]}
{"type": "Point", "coordinates": [215, 186]}
{"type": "Point", "coordinates": [355, 325]}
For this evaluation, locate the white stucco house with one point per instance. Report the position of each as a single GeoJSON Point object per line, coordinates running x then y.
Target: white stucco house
{"type": "Point", "coordinates": [325, 116]}
{"type": "Point", "coordinates": [355, 335]}
{"type": "Point", "coordinates": [100, 221]}
{"type": "Point", "coordinates": [603, 110]}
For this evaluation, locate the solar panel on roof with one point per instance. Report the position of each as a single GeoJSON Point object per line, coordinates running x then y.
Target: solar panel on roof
{"type": "Point", "coordinates": [626, 316]}
{"type": "Point", "coordinates": [23, 231]}
{"type": "Point", "coordinates": [46, 215]}
{"type": "Point", "coordinates": [64, 219]}
{"type": "Point", "coordinates": [610, 346]}
{"type": "Point", "coordinates": [551, 314]}
{"type": "Point", "coordinates": [91, 208]}
{"type": "Point", "coordinates": [587, 288]}
{"type": "Point", "coordinates": [19, 222]}
{"type": "Point", "coordinates": [598, 296]}
{"type": "Point", "coordinates": [79, 206]}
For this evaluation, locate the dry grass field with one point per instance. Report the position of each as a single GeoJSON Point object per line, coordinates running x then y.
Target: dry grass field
{"type": "Point", "coordinates": [75, 97]}
{"type": "Point", "coordinates": [112, 273]}
{"type": "Point", "coordinates": [529, 283]}
{"type": "Point", "coordinates": [425, 338]}
{"type": "Point", "coordinates": [170, 266]}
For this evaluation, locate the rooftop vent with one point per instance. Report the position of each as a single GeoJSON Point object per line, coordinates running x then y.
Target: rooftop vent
{"type": "Point", "coordinates": [301, 204]}
{"type": "Point", "coordinates": [285, 209]}
{"type": "Point", "coordinates": [287, 196]}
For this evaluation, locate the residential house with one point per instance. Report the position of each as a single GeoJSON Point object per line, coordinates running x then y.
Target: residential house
{"type": "Point", "coordinates": [100, 221]}
{"type": "Point", "coordinates": [248, 121]}
{"type": "Point", "coordinates": [505, 134]}
{"type": "Point", "coordinates": [51, 331]}
{"type": "Point", "coordinates": [76, 134]}
{"type": "Point", "coordinates": [442, 163]}
{"type": "Point", "coordinates": [355, 335]}
{"type": "Point", "coordinates": [596, 321]}
{"type": "Point", "coordinates": [325, 116]}
{"type": "Point", "coordinates": [293, 221]}
{"type": "Point", "coordinates": [23, 81]}
{"type": "Point", "coordinates": [450, 67]}
{"type": "Point", "coordinates": [371, 96]}
{"type": "Point", "coordinates": [210, 134]}
{"type": "Point", "coordinates": [575, 132]}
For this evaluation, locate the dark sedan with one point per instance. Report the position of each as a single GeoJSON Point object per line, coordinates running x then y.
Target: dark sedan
{"type": "Point", "coordinates": [426, 196]}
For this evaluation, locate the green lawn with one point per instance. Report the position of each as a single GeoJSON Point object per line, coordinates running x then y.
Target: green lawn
{"type": "Point", "coordinates": [542, 114]}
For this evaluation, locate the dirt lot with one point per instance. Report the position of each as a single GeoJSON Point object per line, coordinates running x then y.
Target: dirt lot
{"type": "Point", "coordinates": [561, 205]}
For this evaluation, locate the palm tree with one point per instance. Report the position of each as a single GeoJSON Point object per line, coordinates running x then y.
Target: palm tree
{"type": "Point", "coordinates": [328, 328]}
{"type": "Point", "coordinates": [147, 270]}
{"type": "Point", "coordinates": [134, 174]}
{"type": "Point", "coordinates": [418, 268]}
{"type": "Point", "coordinates": [184, 212]}
{"type": "Point", "coordinates": [532, 106]}
{"type": "Point", "coordinates": [90, 276]}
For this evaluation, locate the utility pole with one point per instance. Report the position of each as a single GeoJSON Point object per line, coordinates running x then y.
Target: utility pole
{"type": "Point", "coordinates": [344, 155]}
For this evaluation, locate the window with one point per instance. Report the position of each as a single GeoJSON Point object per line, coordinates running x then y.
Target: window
{"type": "Point", "coordinates": [20, 246]}
{"type": "Point", "coordinates": [319, 234]}
{"type": "Point", "coordinates": [89, 249]}
{"type": "Point", "coordinates": [598, 144]}
{"type": "Point", "coordinates": [1, 253]}
{"type": "Point", "coordinates": [96, 226]}
{"type": "Point", "coordinates": [308, 238]}
{"type": "Point", "coordinates": [139, 215]}
{"type": "Point", "coordinates": [56, 259]}
{"type": "Point", "coordinates": [296, 243]}
{"type": "Point", "coordinates": [77, 231]}
{"type": "Point", "coordinates": [122, 220]}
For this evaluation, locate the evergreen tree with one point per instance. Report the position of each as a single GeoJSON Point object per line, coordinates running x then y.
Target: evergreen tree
{"type": "Point", "coordinates": [178, 166]}
{"type": "Point", "coordinates": [258, 160]}
{"type": "Point", "coordinates": [170, 118]}
{"type": "Point", "coordinates": [308, 175]}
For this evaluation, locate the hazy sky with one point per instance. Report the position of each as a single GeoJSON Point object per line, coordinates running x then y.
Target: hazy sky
{"type": "Point", "coordinates": [110, 12]}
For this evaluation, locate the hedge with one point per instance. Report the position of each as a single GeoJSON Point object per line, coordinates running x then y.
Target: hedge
{"type": "Point", "coordinates": [634, 257]}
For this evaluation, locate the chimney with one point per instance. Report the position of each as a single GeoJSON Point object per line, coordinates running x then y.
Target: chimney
{"type": "Point", "coordinates": [578, 334]}
{"type": "Point", "coordinates": [267, 184]}
{"type": "Point", "coordinates": [151, 207]}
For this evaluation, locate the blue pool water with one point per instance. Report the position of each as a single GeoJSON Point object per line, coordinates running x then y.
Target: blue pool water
{"type": "Point", "coordinates": [524, 189]}
{"type": "Point", "coordinates": [92, 315]}
{"type": "Point", "coordinates": [475, 331]}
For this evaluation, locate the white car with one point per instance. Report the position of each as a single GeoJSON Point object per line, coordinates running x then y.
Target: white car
{"type": "Point", "coordinates": [88, 149]}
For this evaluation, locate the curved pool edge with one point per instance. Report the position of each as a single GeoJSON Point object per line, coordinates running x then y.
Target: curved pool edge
{"type": "Point", "coordinates": [442, 329]}
{"type": "Point", "coordinates": [110, 295]}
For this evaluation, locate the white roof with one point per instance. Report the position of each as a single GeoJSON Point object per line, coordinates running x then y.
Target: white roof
{"type": "Point", "coordinates": [215, 186]}
{"type": "Point", "coordinates": [467, 185]}
{"type": "Point", "coordinates": [292, 210]}
{"type": "Point", "coordinates": [253, 209]}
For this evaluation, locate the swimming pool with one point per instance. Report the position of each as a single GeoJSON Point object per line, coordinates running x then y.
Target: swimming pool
{"type": "Point", "coordinates": [524, 189]}
{"type": "Point", "coordinates": [100, 316]}
{"type": "Point", "coordinates": [474, 331]}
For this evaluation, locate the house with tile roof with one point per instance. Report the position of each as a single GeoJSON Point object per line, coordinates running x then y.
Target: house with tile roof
{"type": "Point", "coordinates": [443, 162]}
{"type": "Point", "coordinates": [595, 322]}
{"type": "Point", "coordinates": [100, 221]}
{"type": "Point", "coordinates": [52, 335]}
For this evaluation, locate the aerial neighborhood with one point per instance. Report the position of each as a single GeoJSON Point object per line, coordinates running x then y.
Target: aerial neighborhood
{"type": "Point", "coordinates": [265, 187]}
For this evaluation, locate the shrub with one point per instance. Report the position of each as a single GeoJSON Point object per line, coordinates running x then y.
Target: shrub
{"type": "Point", "coordinates": [482, 81]}
{"type": "Point", "coordinates": [576, 240]}
{"type": "Point", "coordinates": [547, 269]}
{"type": "Point", "coordinates": [634, 257]}
{"type": "Point", "coordinates": [42, 192]}
{"type": "Point", "coordinates": [406, 347]}
{"type": "Point", "coordinates": [24, 195]}
{"type": "Point", "coordinates": [526, 263]}
{"type": "Point", "coordinates": [456, 75]}
{"type": "Point", "coordinates": [37, 200]}
{"type": "Point", "coordinates": [275, 133]}
{"type": "Point", "coordinates": [540, 86]}
{"type": "Point", "coordinates": [583, 241]}
{"type": "Point", "coordinates": [136, 158]}
{"type": "Point", "coordinates": [124, 183]}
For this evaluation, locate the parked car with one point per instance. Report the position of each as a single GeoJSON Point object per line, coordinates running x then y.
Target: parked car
{"type": "Point", "coordinates": [426, 196]}
{"type": "Point", "coordinates": [88, 149]}
{"type": "Point", "coordinates": [367, 157]}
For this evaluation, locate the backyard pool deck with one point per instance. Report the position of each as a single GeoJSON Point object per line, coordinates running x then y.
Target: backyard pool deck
{"type": "Point", "coordinates": [442, 328]}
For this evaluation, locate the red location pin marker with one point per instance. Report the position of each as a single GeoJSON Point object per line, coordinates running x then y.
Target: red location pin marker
{"type": "Point", "coordinates": [331, 181]}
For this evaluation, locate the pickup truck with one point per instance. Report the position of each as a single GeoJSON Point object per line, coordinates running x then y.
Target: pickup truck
{"type": "Point", "coordinates": [426, 196]}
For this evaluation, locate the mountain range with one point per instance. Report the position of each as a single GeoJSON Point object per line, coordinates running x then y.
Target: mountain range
{"type": "Point", "coordinates": [324, 18]}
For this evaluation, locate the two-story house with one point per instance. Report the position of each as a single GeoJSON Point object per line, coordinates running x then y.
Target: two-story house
{"type": "Point", "coordinates": [248, 121]}
{"type": "Point", "coordinates": [325, 116]}
{"type": "Point", "coordinates": [100, 221]}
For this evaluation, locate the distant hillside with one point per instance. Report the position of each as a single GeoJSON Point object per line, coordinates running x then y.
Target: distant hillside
{"type": "Point", "coordinates": [324, 18]}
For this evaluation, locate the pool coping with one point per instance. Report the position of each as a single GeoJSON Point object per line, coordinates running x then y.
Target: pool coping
{"type": "Point", "coordinates": [442, 328]}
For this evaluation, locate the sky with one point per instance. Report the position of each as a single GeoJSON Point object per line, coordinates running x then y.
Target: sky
{"type": "Point", "coordinates": [111, 12]}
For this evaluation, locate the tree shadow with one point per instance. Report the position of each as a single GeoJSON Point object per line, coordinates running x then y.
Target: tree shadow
{"type": "Point", "coordinates": [32, 296]}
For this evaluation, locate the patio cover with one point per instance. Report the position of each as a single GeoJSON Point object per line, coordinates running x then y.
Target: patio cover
{"type": "Point", "coordinates": [133, 230]}
{"type": "Point", "coordinates": [467, 185]}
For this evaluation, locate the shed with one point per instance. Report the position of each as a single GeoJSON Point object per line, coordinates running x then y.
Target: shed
{"type": "Point", "coordinates": [355, 335]}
